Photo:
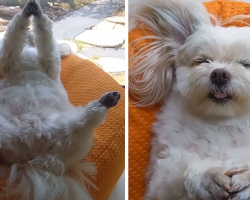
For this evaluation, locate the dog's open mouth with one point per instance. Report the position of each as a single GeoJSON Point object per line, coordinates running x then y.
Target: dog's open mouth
{"type": "Point", "coordinates": [220, 96]}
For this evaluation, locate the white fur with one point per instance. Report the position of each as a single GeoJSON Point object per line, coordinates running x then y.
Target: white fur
{"type": "Point", "coordinates": [195, 139]}
{"type": "Point", "coordinates": [43, 137]}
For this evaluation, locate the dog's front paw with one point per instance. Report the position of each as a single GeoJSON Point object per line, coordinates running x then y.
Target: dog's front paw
{"type": "Point", "coordinates": [32, 7]}
{"type": "Point", "coordinates": [240, 183]}
{"type": "Point", "coordinates": [212, 184]}
{"type": "Point", "coordinates": [110, 99]}
{"type": "Point", "coordinates": [216, 183]}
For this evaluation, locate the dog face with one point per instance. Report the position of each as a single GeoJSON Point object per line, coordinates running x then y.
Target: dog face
{"type": "Point", "coordinates": [211, 63]}
{"type": "Point", "coordinates": [213, 70]}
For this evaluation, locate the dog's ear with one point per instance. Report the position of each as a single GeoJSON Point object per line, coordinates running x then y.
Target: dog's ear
{"type": "Point", "coordinates": [151, 69]}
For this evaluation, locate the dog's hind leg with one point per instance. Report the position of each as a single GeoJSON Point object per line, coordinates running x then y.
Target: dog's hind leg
{"type": "Point", "coordinates": [81, 122]}
{"type": "Point", "coordinates": [14, 41]}
{"type": "Point", "coordinates": [96, 110]}
{"type": "Point", "coordinates": [47, 48]}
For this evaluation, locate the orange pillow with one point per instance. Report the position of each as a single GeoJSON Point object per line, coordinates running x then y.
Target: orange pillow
{"type": "Point", "coordinates": [140, 119]}
{"type": "Point", "coordinates": [85, 82]}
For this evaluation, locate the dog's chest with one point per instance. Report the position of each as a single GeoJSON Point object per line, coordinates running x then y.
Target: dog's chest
{"type": "Point", "coordinates": [179, 129]}
{"type": "Point", "coordinates": [27, 121]}
{"type": "Point", "coordinates": [29, 109]}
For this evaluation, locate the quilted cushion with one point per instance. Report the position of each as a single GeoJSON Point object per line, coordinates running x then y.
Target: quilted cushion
{"type": "Point", "coordinates": [140, 119]}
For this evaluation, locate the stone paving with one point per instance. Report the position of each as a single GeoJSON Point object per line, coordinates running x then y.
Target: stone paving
{"type": "Point", "coordinates": [100, 38]}
{"type": "Point", "coordinates": [75, 22]}
{"type": "Point", "coordinates": [100, 52]}
{"type": "Point", "coordinates": [97, 34]}
{"type": "Point", "coordinates": [111, 65]}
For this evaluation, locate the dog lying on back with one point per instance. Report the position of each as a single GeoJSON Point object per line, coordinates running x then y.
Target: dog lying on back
{"type": "Point", "coordinates": [201, 144]}
{"type": "Point", "coordinates": [42, 136]}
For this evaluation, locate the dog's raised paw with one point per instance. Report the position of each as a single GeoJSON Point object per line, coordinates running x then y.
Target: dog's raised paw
{"type": "Point", "coordinates": [32, 7]}
{"type": "Point", "coordinates": [110, 99]}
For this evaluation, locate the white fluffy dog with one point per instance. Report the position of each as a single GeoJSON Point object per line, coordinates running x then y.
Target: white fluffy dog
{"type": "Point", "coordinates": [42, 136]}
{"type": "Point", "coordinates": [201, 143]}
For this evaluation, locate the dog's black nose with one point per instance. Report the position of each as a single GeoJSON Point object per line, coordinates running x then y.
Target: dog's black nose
{"type": "Point", "coordinates": [220, 76]}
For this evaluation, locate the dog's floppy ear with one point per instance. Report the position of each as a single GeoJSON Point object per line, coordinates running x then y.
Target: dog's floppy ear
{"type": "Point", "coordinates": [152, 66]}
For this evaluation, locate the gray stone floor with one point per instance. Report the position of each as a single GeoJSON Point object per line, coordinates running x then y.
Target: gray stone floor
{"type": "Point", "coordinates": [73, 23]}
{"type": "Point", "coordinates": [92, 26]}
{"type": "Point", "coordinates": [100, 52]}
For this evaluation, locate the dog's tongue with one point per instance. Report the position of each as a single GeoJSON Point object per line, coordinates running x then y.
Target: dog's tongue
{"type": "Point", "coordinates": [220, 95]}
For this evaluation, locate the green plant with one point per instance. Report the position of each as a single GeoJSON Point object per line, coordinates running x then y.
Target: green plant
{"type": "Point", "coordinates": [65, 6]}
{"type": "Point", "coordinates": [120, 11]}
{"type": "Point", "coordinates": [94, 59]}
{"type": "Point", "coordinates": [79, 44]}
{"type": "Point", "coordinates": [80, 3]}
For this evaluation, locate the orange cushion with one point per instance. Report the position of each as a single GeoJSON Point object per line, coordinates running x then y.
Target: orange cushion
{"type": "Point", "coordinates": [86, 82]}
{"type": "Point", "coordinates": [140, 119]}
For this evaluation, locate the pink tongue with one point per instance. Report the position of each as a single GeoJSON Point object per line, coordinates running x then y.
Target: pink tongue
{"type": "Point", "coordinates": [220, 95]}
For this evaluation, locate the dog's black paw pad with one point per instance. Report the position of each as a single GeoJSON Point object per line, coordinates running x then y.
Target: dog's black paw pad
{"type": "Point", "coordinates": [32, 8]}
{"type": "Point", "coordinates": [110, 99]}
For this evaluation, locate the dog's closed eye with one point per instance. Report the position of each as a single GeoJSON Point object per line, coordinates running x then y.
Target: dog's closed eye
{"type": "Point", "coordinates": [246, 64]}
{"type": "Point", "coordinates": [201, 61]}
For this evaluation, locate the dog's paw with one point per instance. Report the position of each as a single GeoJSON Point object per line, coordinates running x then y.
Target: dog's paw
{"type": "Point", "coordinates": [213, 184]}
{"type": "Point", "coordinates": [216, 183]}
{"type": "Point", "coordinates": [110, 99]}
{"type": "Point", "coordinates": [238, 169]}
{"type": "Point", "coordinates": [32, 7]}
{"type": "Point", "coordinates": [240, 185]}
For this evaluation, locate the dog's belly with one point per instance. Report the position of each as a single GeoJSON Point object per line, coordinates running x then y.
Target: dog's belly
{"type": "Point", "coordinates": [26, 120]}
{"type": "Point", "coordinates": [25, 135]}
{"type": "Point", "coordinates": [178, 128]}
